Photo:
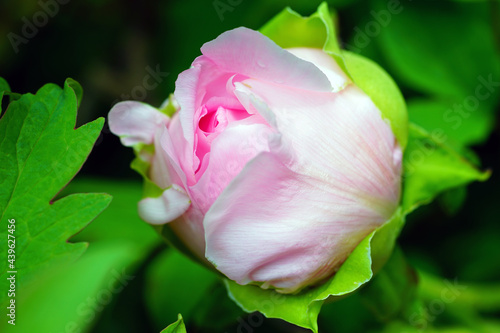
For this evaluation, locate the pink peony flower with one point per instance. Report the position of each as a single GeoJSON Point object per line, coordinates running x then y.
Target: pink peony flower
{"type": "Point", "coordinates": [275, 165]}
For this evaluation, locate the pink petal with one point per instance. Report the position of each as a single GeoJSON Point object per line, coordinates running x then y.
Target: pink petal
{"type": "Point", "coordinates": [170, 205]}
{"type": "Point", "coordinates": [272, 224]}
{"type": "Point", "coordinates": [135, 122]}
{"type": "Point", "coordinates": [230, 152]}
{"type": "Point", "coordinates": [165, 168]}
{"type": "Point", "coordinates": [339, 138]}
{"type": "Point", "coordinates": [195, 87]}
{"type": "Point", "coordinates": [301, 209]}
{"type": "Point", "coordinates": [248, 52]}
{"type": "Point", "coordinates": [189, 229]}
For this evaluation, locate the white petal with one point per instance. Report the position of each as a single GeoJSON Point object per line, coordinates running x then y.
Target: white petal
{"type": "Point", "coordinates": [135, 122]}
{"type": "Point", "coordinates": [325, 63]}
{"type": "Point", "coordinates": [170, 205]}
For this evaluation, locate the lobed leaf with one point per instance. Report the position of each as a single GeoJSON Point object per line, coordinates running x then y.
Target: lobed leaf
{"type": "Point", "coordinates": [40, 152]}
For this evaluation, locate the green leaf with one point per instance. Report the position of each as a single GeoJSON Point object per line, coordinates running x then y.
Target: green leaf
{"type": "Point", "coordinates": [4, 87]}
{"type": "Point", "coordinates": [41, 152]}
{"type": "Point", "coordinates": [455, 60]}
{"type": "Point", "coordinates": [177, 327]}
{"type": "Point", "coordinates": [120, 220]}
{"type": "Point", "coordinates": [78, 293]}
{"type": "Point", "coordinates": [176, 284]}
{"type": "Point", "coordinates": [451, 200]}
{"type": "Point", "coordinates": [383, 91]}
{"type": "Point", "coordinates": [302, 309]}
{"type": "Point", "coordinates": [462, 127]}
{"type": "Point", "coordinates": [451, 50]}
{"type": "Point", "coordinates": [431, 167]}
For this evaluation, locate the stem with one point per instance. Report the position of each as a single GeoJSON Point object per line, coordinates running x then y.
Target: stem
{"type": "Point", "coordinates": [479, 297]}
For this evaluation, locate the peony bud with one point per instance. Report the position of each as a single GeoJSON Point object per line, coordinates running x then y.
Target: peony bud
{"type": "Point", "coordinates": [275, 165]}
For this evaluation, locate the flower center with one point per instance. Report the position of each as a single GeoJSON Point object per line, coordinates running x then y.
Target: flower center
{"type": "Point", "coordinates": [212, 122]}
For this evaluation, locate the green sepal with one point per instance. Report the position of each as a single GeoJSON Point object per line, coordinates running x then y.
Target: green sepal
{"type": "Point", "coordinates": [289, 29]}
{"type": "Point", "coordinates": [150, 189]}
{"type": "Point", "coordinates": [302, 309]}
{"type": "Point", "coordinates": [169, 108]}
{"type": "Point", "coordinates": [431, 167]}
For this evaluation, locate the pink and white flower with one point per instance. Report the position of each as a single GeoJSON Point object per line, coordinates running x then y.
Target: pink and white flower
{"type": "Point", "coordinates": [275, 165]}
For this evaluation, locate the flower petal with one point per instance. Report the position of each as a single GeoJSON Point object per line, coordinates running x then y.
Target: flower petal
{"type": "Point", "coordinates": [276, 226]}
{"type": "Point", "coordinates": [165, 169]}
{"type": "Point", "coordinates": [250, 53]}
{"type": "Point", "coordinates": [325, 63]}
{"type": "Point", "coordinates": [194, 87]}
{"type": "Point", "coordinates": [230, 152]}
{"type": "Point", "coordinates": [170, 205]}
{"type": "Point", "coordinates": [135, 122]}
{"type": "Point", "coordinates": [339, 138]}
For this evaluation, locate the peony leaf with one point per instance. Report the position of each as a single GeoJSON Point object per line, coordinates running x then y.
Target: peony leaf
{"type": "Point", "coordinates": [461, 129]}
{"type": "Point", "coordinates": [302, 309]}
{"type": "Point", "coordinates": [4, 88]}
{"type": "Point", "coordinates": [176, 284]}
{"type": "Point", "coordinates": [454, 60]}
{"type": "Point", "coordinates": [77, 294]}
{"type": "Point", "coordinates": [431, 167]}
{"type": "Point", "coordinates": [452, 50]}
{"type": "Point", "coordinates": [40, 152]}
{"type": "Point", "coordinates": [177, 327]}
{"type": "Point", "coordinates": [120, 221]}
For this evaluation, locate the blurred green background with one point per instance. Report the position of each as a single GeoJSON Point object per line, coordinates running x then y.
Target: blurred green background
{"type": "Point", "coordinates": [444, 55]}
